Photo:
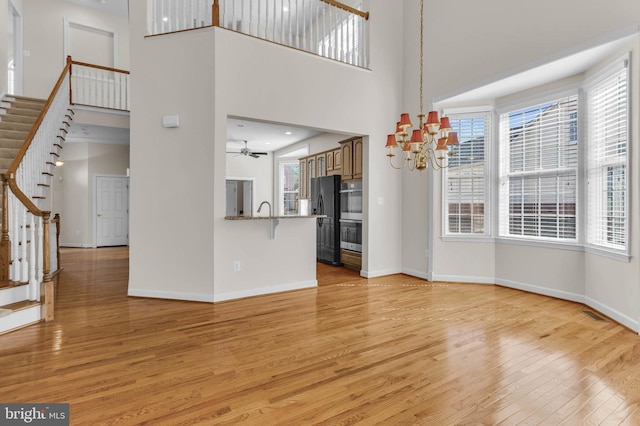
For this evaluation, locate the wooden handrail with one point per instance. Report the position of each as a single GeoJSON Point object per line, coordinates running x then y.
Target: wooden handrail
{"type": "Point", "coordinates": [11, 172]}
{"type": "Point", "coordinates": [100, 67]}
{"type": "Point", "coordinates": [350, 9]}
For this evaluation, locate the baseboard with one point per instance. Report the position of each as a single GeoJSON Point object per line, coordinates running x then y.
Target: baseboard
{"type": "Point", "coordinates": [578, 298]}
{"type": "Point", "coordinates": [464, 279]}
{"type": "Point", "coordinates": [72, 245]}
{"type": "Point", "coordinates": [200, 297]}
{"type": "Point", "coordinates": [172, 295]}
{"type": "Point", "coordinates": [380, 272]}
{"type": "Point", "coordinates": [613, 314]}
{"type": "Point", "coordinates": [558, 294]}
{"type": "Point", "coordinates": [418, 274]}
{"type": "Point", "coordinates": [220, 297]}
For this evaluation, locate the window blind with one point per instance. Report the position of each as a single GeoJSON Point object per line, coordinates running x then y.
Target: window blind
{"type": "Point", "coordinates": [607, 124]}
{"type": "Point", "coordinates": [539, 169]}
{"type": "Point", "coordinates": [465, 180]}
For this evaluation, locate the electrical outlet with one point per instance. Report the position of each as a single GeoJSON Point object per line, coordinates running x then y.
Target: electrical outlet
{"type": "Point", "coordinates": [236, 266]}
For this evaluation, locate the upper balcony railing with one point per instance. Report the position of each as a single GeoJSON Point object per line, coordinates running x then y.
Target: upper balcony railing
{"type": "Point", "coordinates": [98, 86]}
{"type": "Point", "coordinates": [324, 27]}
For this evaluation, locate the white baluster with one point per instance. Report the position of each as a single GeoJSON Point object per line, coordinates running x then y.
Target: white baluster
{"type": "Point", "coordinates": [40, 269]}
{"type": "Point", "coordinates": [34, 286]}
{"type": "Point", "coordinates": [24, 270]}
{"type": "Point", "coordinates": [15, 255]}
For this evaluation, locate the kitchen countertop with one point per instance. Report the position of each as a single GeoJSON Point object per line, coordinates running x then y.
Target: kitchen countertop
{"type": "Point", "coordinates": [311, 216]}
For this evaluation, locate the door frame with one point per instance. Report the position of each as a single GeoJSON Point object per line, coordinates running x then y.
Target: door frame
{"type": "Point", "coordinates": [95, 206]}
{"type": "Point", "coordinates": [66, 38]}
{"type": "Point", "coordinates": [18, 54]}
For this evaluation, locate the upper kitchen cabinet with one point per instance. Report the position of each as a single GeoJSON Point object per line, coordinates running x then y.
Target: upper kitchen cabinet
{"type": "Point", "coordinates": [351, 156]}
{"type": "Point", "coordinates": [328, 163]}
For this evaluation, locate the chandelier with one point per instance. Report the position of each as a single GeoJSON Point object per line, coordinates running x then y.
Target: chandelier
{"type": "Point", "coordinates": [432, 143]}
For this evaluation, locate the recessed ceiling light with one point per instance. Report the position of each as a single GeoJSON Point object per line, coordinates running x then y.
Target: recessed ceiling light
{"type": "Point", "coordinates": [285, 8]}
{"type": "Point", "coordinates": [165, 19]}
{"type": "Point", "coordinates": [288, 133]}
{"type": "Point", "coordinates": [267, 143]}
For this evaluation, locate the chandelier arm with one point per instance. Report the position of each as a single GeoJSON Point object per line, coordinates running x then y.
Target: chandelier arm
{"type": "Point", "coordinates": [401, 164]}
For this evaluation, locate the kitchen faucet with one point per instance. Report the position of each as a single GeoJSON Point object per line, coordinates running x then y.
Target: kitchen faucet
{"type": "Point", "coordinates": [267, 203]}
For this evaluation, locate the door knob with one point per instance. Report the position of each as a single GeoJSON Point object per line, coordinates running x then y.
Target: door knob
{"type": "Point", "coordinates": [99, 214]}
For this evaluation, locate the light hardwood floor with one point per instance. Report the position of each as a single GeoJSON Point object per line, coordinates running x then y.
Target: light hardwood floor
{"type": "Point", "coordinates": [388, 351]}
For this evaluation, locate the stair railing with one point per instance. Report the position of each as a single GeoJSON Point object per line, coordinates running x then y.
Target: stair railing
{"type": "Point", "coordinates": [26, 234]}
{"type": "Point", "coordinates": [327, 28]}
{"type": "Point", "coordinates": [98, 86]}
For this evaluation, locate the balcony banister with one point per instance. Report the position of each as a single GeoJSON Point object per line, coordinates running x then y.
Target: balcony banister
{"type": "Point", "coordinates": [328, 28]}
{"type": "Point", "coordinates": [347, 8]}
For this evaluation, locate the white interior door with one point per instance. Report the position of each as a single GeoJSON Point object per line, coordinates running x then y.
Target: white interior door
{"type": "Point", "coordinates": [112, 210]}
{"type": "Point", "coordinates": [247, 197]}
{"type": "Point", "coordinates": [232, 198]}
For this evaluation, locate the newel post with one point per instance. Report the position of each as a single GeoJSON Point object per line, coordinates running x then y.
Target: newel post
{"type": "Point", "coordinates": [215, 13]}
{"type": "Point", "coordinates": [5, 244]}
{"type": "Point", "coordinates": [47, 283]}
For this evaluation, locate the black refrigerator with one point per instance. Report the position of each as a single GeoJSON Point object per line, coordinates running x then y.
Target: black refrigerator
{"type": "Point", "coordinates": [325, 200]}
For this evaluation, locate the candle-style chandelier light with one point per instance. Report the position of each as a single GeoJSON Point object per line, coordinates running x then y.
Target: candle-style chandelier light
{"type": "Point", "coordinates": [432, 142]}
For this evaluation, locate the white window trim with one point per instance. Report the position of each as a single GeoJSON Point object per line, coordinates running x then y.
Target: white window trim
{"type": "Point", "coordinates": [487, 236]}
{"type": "Point", "coordinates": [538, 99]}
{"type": "Point", "coordinates": [611, 252]}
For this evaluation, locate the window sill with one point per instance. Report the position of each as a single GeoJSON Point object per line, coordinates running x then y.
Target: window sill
{"type": "Point", "coordinates": [467, 239]}
{"type": "Point", "coordinates": [620, 256]}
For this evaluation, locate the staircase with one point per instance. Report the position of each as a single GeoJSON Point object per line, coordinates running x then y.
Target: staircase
{"type": "Point", "coordinates": [17, 117]}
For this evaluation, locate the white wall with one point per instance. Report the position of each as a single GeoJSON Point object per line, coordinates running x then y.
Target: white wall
{"type": "Point", "coordinates": [72, 189]}
{"type": "Point", "coordinates": [266, 82]}
{"type": "Point", "coordinates": [43, 38]}
{"type": "Point", "coordinates": [172, 170]}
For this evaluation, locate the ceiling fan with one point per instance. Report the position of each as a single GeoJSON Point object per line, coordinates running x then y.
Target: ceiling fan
{"type": "Point", "coordinates": [247, 152]}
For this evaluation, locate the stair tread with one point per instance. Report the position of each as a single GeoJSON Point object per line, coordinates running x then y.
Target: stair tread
{"type": "Point", "coordinates": [13, 118]}
{"type": "Point", "coordinates": [24, 304]}
{"type": "Point", "coordinates": [22, 111]}
{"type": "Point", "coordinates": [26, 98]}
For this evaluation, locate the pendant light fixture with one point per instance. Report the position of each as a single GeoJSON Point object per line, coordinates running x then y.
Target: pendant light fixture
{"type": "Point", "coordinates": [432, 142]}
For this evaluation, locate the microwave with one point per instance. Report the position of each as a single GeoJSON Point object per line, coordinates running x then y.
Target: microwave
{"type": "Point", "coordinates": [351, 200]}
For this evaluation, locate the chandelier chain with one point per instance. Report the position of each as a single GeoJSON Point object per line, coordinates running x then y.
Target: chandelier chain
{"type": "Point", "coordinates": [421, 53]}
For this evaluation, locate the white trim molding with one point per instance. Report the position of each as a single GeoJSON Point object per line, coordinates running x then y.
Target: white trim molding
{"type": "Point", "coordinates": [261, 291]}
{"type": "Point", "coordinates": [66, 40]}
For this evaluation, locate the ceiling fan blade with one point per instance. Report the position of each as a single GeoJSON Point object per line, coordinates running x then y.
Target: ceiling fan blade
{"type": "Point", "coordinates": [260, 153]}
{"type": "Point", "coordinates": [254, 155]}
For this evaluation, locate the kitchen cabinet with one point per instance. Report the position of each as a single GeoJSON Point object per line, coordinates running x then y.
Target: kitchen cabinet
{"type": "Point", "coordinates": [303, 182]}
{"type": "Point", "coordinates": [321, 165]}
{"type": "Point", "coordinates": [325, 163]}
{"type": "Point", "coordinates": [357, 158]}
{"type": "Point", "coordinates": [351, 158]}
{"type": "Point", "coordinates": [330, 157]}
{"type": "Point", "coordinates": [337, 159]}
{"type": "Point", "coordinates": [351, 259]}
